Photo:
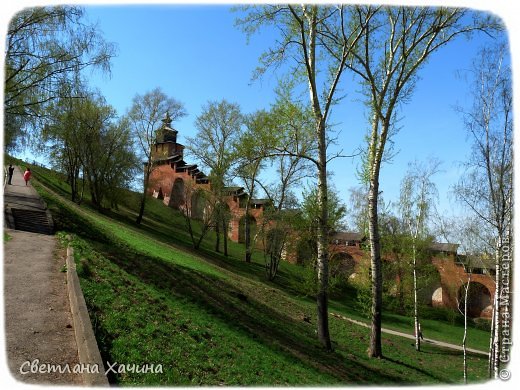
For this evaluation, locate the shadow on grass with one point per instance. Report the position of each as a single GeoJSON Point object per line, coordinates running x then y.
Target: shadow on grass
{"type": "Point", "coordinates": [397, 320]}
{"type": "Point", "coordinates": [434, 349]}
{"type": "Point", "coordinates": [251, 317]}
{"type": "Point", "coordinates": [56, 185]}
{"type": "Point", "coordinates": [417, 369]}
{"type": "Point", "coordinates": [180, 239]}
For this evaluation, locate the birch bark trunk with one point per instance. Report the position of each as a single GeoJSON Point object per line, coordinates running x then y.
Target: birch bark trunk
{"type": "Point", "coordinates": [496, 314]}
{"type": "Point", "coordinates": [464, 339]}
{"type": "Point", "coordinates": [375, 349]}
{"type": "Point", "coordinates": [415, 303]}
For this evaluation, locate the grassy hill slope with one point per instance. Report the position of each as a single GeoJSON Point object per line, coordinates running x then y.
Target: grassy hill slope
{"type": "Point", "coordinates": [213, 320]}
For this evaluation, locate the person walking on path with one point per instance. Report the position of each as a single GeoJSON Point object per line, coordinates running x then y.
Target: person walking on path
{"type": "Point", "coordinates": [420, 331]}
{"type": "Point", "coordinates": [27, 175]}
{"type": "Point", "coordinates": [10, 172]}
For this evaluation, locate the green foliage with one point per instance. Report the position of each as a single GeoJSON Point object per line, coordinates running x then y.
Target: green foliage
{"type": "Point", "coordinates": [310, 209]}
{"type": "Point", "coordinates": [84, 136]}
{"type": "Point", "coordinates": [417, 197]}
{"type": "Point", "coordinates": [482, 324]}
{"type": "Point", "coordinates": [63, 135]}
{"type": "Point", "coordinates": [46, 49]}
{"type": "Point", "coordinates": [218, 129]}
{"type": "Point", "coordinates": [357, 209]}
{"type": "Point", "coordinates": [364, 301]}
{"type": "Point", "coordinates": [251, 151]}
{"type": "Point", "coordinates": [291, 146]}
{"type": "Point", "coordinates": [305, 223]}
{"type": "Point", "coordinates": [308, 281]}
{"type": "Point", "coordinates": [441, 313]}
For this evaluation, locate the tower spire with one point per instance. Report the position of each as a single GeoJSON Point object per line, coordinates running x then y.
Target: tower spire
{"type": "Point", "coordinates": [167, 120]}
{"type": "Point", "coordinates": [166, 133]}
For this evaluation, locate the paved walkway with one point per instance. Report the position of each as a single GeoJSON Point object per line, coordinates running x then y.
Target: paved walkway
{"type": "Point", "coordinates": [38, 322]}
{"type": "Point", "coordinates": [19, 195]}
{"type": "Point", "coordinates": [412, 337]}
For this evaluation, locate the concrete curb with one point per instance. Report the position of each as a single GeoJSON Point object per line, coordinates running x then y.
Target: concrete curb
{"type": "Point", "coordinates": [88, 350]}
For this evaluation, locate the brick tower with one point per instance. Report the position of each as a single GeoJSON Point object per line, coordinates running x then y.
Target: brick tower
{"type": "Point", "coordinates": [166, 141]}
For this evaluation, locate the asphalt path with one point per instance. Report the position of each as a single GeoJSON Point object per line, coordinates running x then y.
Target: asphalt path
{"type": "Point", "coordinates": [412, 337]}
{"type": "Point", "coordinates": [38, 322]}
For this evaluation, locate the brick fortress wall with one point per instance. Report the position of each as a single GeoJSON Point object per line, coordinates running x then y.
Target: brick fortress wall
{"type": "Point", "coordinates": [174, 181]}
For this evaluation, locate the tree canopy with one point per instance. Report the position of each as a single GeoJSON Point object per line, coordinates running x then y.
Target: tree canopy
{"type": "Point", "coordinates": [46, 47]}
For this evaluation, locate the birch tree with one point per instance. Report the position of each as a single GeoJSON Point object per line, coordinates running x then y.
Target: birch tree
{"type": "Point", "coordinates": [312, 39]}
{"type": "Point", "coordinates": [358, 210]}
{"type": "Point", "coordinates": [219, 127]}
{"type": "Point", "coordinates": [397, 42]}
{"type": "Point", "coordinates": [467, 231]}
{"type": "Point", "coordinates": [464, 312]}
{"type": "Point", "coordinates": [486, 188]}
{"type": "Point", "coordinates": [145, 116]}
{"type": "Point", "coordinates": [418, 193]}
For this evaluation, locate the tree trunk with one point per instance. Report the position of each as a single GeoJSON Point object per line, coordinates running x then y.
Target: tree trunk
{"type": "Point", "coordinates": [374, 165]}
{"type": "Point", "coordinates": [400, 290]}
{"type": "Point", "coordinates": [82, 188]}
{"type": "Point", "coordinates": [76, 184]}
{"type": "Point", "coordinates": [141, 209]}
{"type": "Point", "coordinates": [247, 234]}
{"type": "Point", "coordinates": [217, 230]}
{"type": "Point", "coordinates": [491, 334]}
{"type": "Point", "coordinates": [415, 305]}
{"type": "Point", "coordinates": [466, 330]}
{"type": "Point", "coordinates": [143, 198]}
{"type": "Point", "coordinates": [375, 349]}
{"type": "Point", "coordinates": [72, 180]}
{"type": "Point", "coordinates": [190, 230]}
{"type": "Point", "coordinates": [224, 233]}
{"type": "Point", "coordinates": [323, 243]}
{"type": "Point", "coordinates": [496, 303]}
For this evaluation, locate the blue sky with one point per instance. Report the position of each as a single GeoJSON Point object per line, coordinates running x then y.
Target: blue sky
{"type": "Point", "coordinates": [195, 54]}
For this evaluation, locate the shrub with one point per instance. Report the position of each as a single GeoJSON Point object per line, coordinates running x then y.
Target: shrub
{"type": "Point", "coordinates": [441, 313]}
{"type": "Point", "coordinates": [364, 301]}
{"type": "Point", "coordinates": [482, 324]}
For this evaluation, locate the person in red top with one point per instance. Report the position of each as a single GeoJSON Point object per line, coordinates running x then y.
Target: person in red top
{"type": "Point", "coordinates": [27, 175]}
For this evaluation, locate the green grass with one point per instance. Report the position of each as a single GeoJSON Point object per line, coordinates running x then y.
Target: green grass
{"type": "Point", "coordinates": [212, 320]}
{"type": "Point", "coordinates": [432, 329]}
